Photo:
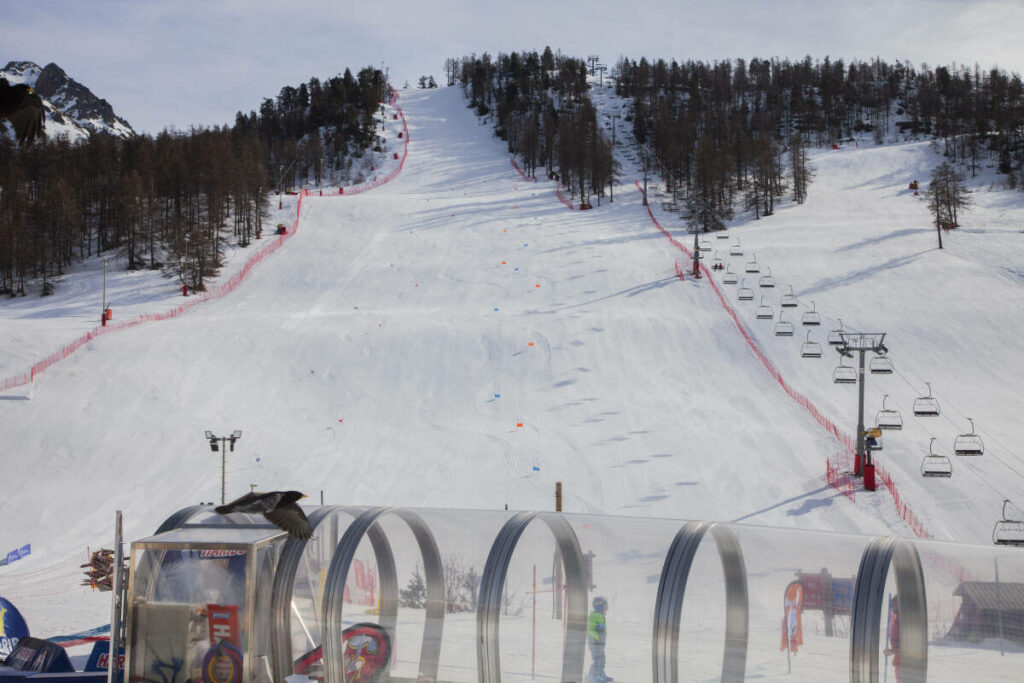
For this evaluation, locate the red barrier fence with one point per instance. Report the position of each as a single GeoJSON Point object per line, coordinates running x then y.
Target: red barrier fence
{"type": "Point", "coordinates": [377, 182]}
{"type": "Point", "coordinates": [217, 292]}
{"type": "Point", "coordinates": [847, 441]}
{"type": "Point", "coordinates": [839, 475]}
{"type": "Point", "coordinates": [558, 185]}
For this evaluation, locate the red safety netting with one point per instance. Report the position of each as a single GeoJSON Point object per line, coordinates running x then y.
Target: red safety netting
{"type": "Point", "coordinates": [216, 293]}
{"type": "Point", "coordinates": [378, 181]}
{"type": "Point", "coordinates": [839, 475]}
{"type": "Point", "coordinates": [915, 524]}
{"type": "Point", "coordinates": [520, 171]}
{"type": "Point", "coordinates": [558, 185]}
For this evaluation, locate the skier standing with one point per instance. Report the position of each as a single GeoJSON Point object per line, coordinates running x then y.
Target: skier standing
{"type": "Point", "coordinates": [596, 634]}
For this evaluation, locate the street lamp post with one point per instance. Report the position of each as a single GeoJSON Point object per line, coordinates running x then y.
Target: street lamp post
{"type": "Point", "coordinates": [225, 443]}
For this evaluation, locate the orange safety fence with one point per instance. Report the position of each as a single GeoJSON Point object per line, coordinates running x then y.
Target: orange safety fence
{"type": "Point", "coordinates": [217, 292]}
{"type": "Point", "coordinates": [848, 442]}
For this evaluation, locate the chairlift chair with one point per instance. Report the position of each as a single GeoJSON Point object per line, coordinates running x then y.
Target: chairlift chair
{"type": "Point", "coordinates": [811, 318]}
{"type": "Point", "coordinates": [926, 406]}
{"type": "Point", "coordinates": [789, 300]}
{"type": "Point", "coordinates": [844, 374]}
{"type": "Point", "coordinates": [764, 311]}
{"type": "Point", "coordinates": [752, 265]}
{"type": "Point", "coordinates": [810, 349]}
{"type": "Point", "coordinates": [729, 277]}
{"type": "Point", "coordinates": [880, 365]}
{"type": "Point", "coordinates": [766, 280]}
{"type": "Point", "coordinates": [888, 418]}
{"type": "Point", "coordinates": [705, 244]}
{"type": "Point", "coordinates": [715, 262]}
{"type": "Point", "coordinates": [722, 235]}
{"type": "Point", "coordinates": [835, 337]}
{"type": "Point", "coordinates": [783, 328]}
{"type": "Point", "coordinates": [736, 249]}
{"type": "Point", "coordinates": [745, 293]}
{"type": "Point", "coordinates": [1008, 531]}
{"type": "Point", "coordinates": [935, 465]}
{"type": "Point", "coordinates": [969, 444]}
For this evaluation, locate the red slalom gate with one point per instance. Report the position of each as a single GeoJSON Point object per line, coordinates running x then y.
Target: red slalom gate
{"type": "Point", "coordinates": [221, 290]}
{"type": "Point", "coordinates": [904, 511]}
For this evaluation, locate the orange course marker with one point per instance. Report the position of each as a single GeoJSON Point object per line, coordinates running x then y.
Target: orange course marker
{"type": "Point", "coordinates": [519, 424]}
{"type": "Point", "coordinates": [530, 344]}
{"type": "Point", "coordinates": [537, 286]}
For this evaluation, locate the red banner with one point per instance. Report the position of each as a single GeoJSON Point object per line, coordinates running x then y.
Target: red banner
{"type": "Point", "coordinates": [224, 624]}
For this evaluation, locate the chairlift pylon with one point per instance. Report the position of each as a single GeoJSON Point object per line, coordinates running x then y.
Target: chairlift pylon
{"type": "Point", "coordinates": [926, 406]}
{"type": "Point", "coordinates": [736, 249]}
{"type": "Point", "coordinates": [789, 300]}
{"type": "Point", "coordinates": [844, 374]}
{"type": "Point", "coordinates": [783, 328]}
{"type": "Point", "coordinates": [810, 349]}
{"type": "Point", "coordinates": [729, 277]}
{"type": "Point", "coordinates": [1008, 530]}
{"type": "Point", "coordinates": [835, 337]}
{"type": "Point", "coordinates": [970, 443]}
{"type": "Point", "coordinates": [888, 418]}
{"type": "Point", "coordinates": [880, 365]}
{"type": "Point", "coordinates": [766, 281]}
{"type": "Point", "coordinates": [745, 293]}
{"type": "Point", "coordinates": [752, 265]}
{"type": "Point", "coordinates": [811, 318]}
{"type": "Point", "coordinates": [764, 311]}
{"type": "Point", "coordinates": [935, 465]}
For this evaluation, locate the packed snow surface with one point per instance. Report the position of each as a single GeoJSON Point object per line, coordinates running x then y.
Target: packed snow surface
{"type": "Point", "coordinates": [459, 338]}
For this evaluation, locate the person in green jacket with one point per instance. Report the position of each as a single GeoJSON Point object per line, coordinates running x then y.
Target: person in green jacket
{"type": "Point", "coordinates": [596, 635]}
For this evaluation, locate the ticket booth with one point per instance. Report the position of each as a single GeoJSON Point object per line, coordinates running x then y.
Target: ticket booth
{"type": "Point", "coordinates": [199, 604]}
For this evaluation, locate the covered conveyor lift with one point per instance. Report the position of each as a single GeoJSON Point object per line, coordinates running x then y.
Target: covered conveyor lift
{"type": "Point", "coordinates": [233, 599]}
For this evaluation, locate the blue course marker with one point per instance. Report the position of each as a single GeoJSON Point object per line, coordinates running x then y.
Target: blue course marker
{"type": "Point", "coordinates": [497, 396]}
{"type": "Point", "coordinates": [495, 309]}
{"type": "Point", "coordinates": [517, 268]}
{"type": "Point", "coordinates": [526, 244]}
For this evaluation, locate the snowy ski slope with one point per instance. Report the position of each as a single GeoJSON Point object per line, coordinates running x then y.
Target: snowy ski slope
{"type": "Point", "coordinates": [459, 338]}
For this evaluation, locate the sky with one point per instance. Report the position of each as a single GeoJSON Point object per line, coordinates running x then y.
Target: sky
{"type": "Point", "coordinates": [184, 63]}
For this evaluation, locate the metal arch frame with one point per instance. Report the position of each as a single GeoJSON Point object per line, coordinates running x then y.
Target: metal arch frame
{"type": "Point", "coordinates": [668, 610]}
{"type": "Point", "coordinates": [366, 525]}
{"type": "Point", "coordinates": [868, 605]}
{"type": "Point", "coordinates": [492, 582]}
{"type": "Point", "coordinates": [284, 584]}
{"type": "Point", "coordinates": [179, 518]}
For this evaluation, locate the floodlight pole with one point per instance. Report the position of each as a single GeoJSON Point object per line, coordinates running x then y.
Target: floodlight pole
{"type": "Point", "coordinates": [225, 443]}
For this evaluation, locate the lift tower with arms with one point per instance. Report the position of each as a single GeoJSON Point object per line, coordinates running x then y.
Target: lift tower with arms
{"type": "Point", "coordinates": [862, 342]}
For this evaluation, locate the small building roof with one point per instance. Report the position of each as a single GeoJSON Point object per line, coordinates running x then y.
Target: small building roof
{"type": "Point", "coordinates": [990, 595]}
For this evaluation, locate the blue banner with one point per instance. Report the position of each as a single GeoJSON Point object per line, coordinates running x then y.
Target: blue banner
{"type": "Point", "coordinates": [12, 628]}
{"type": "Point", "coordinates": [25, 550]}
{"type": "Point", "coordinates": [13, 556]}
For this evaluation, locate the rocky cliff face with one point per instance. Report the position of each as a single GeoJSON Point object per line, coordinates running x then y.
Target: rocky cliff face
{"type": "Point", "coordinates": [71, 108]}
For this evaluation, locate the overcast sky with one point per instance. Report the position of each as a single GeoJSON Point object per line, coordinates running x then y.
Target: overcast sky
{"type": "Point", "coordinates": [178, 63]}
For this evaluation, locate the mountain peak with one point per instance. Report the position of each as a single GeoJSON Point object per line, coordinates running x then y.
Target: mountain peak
{"type": "Point", "coordinates": [71, 108]}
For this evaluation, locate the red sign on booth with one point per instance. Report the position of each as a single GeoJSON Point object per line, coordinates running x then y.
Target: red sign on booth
{"type": "Point", "coordinates": [224, 624]}
{"type": "Point", "coordinates": [813, 598]}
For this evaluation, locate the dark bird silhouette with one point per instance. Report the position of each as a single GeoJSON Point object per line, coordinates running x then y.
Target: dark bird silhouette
{"type": "Point", "coordinates": [279, 507]}
{"type": "Point", "coordinates": [23, 108]}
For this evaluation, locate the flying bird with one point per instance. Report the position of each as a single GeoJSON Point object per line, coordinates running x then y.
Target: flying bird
{"type": "Point", "coordinates": [279, 507]}
{"type": "Point", "coordinates": [23, 108]}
